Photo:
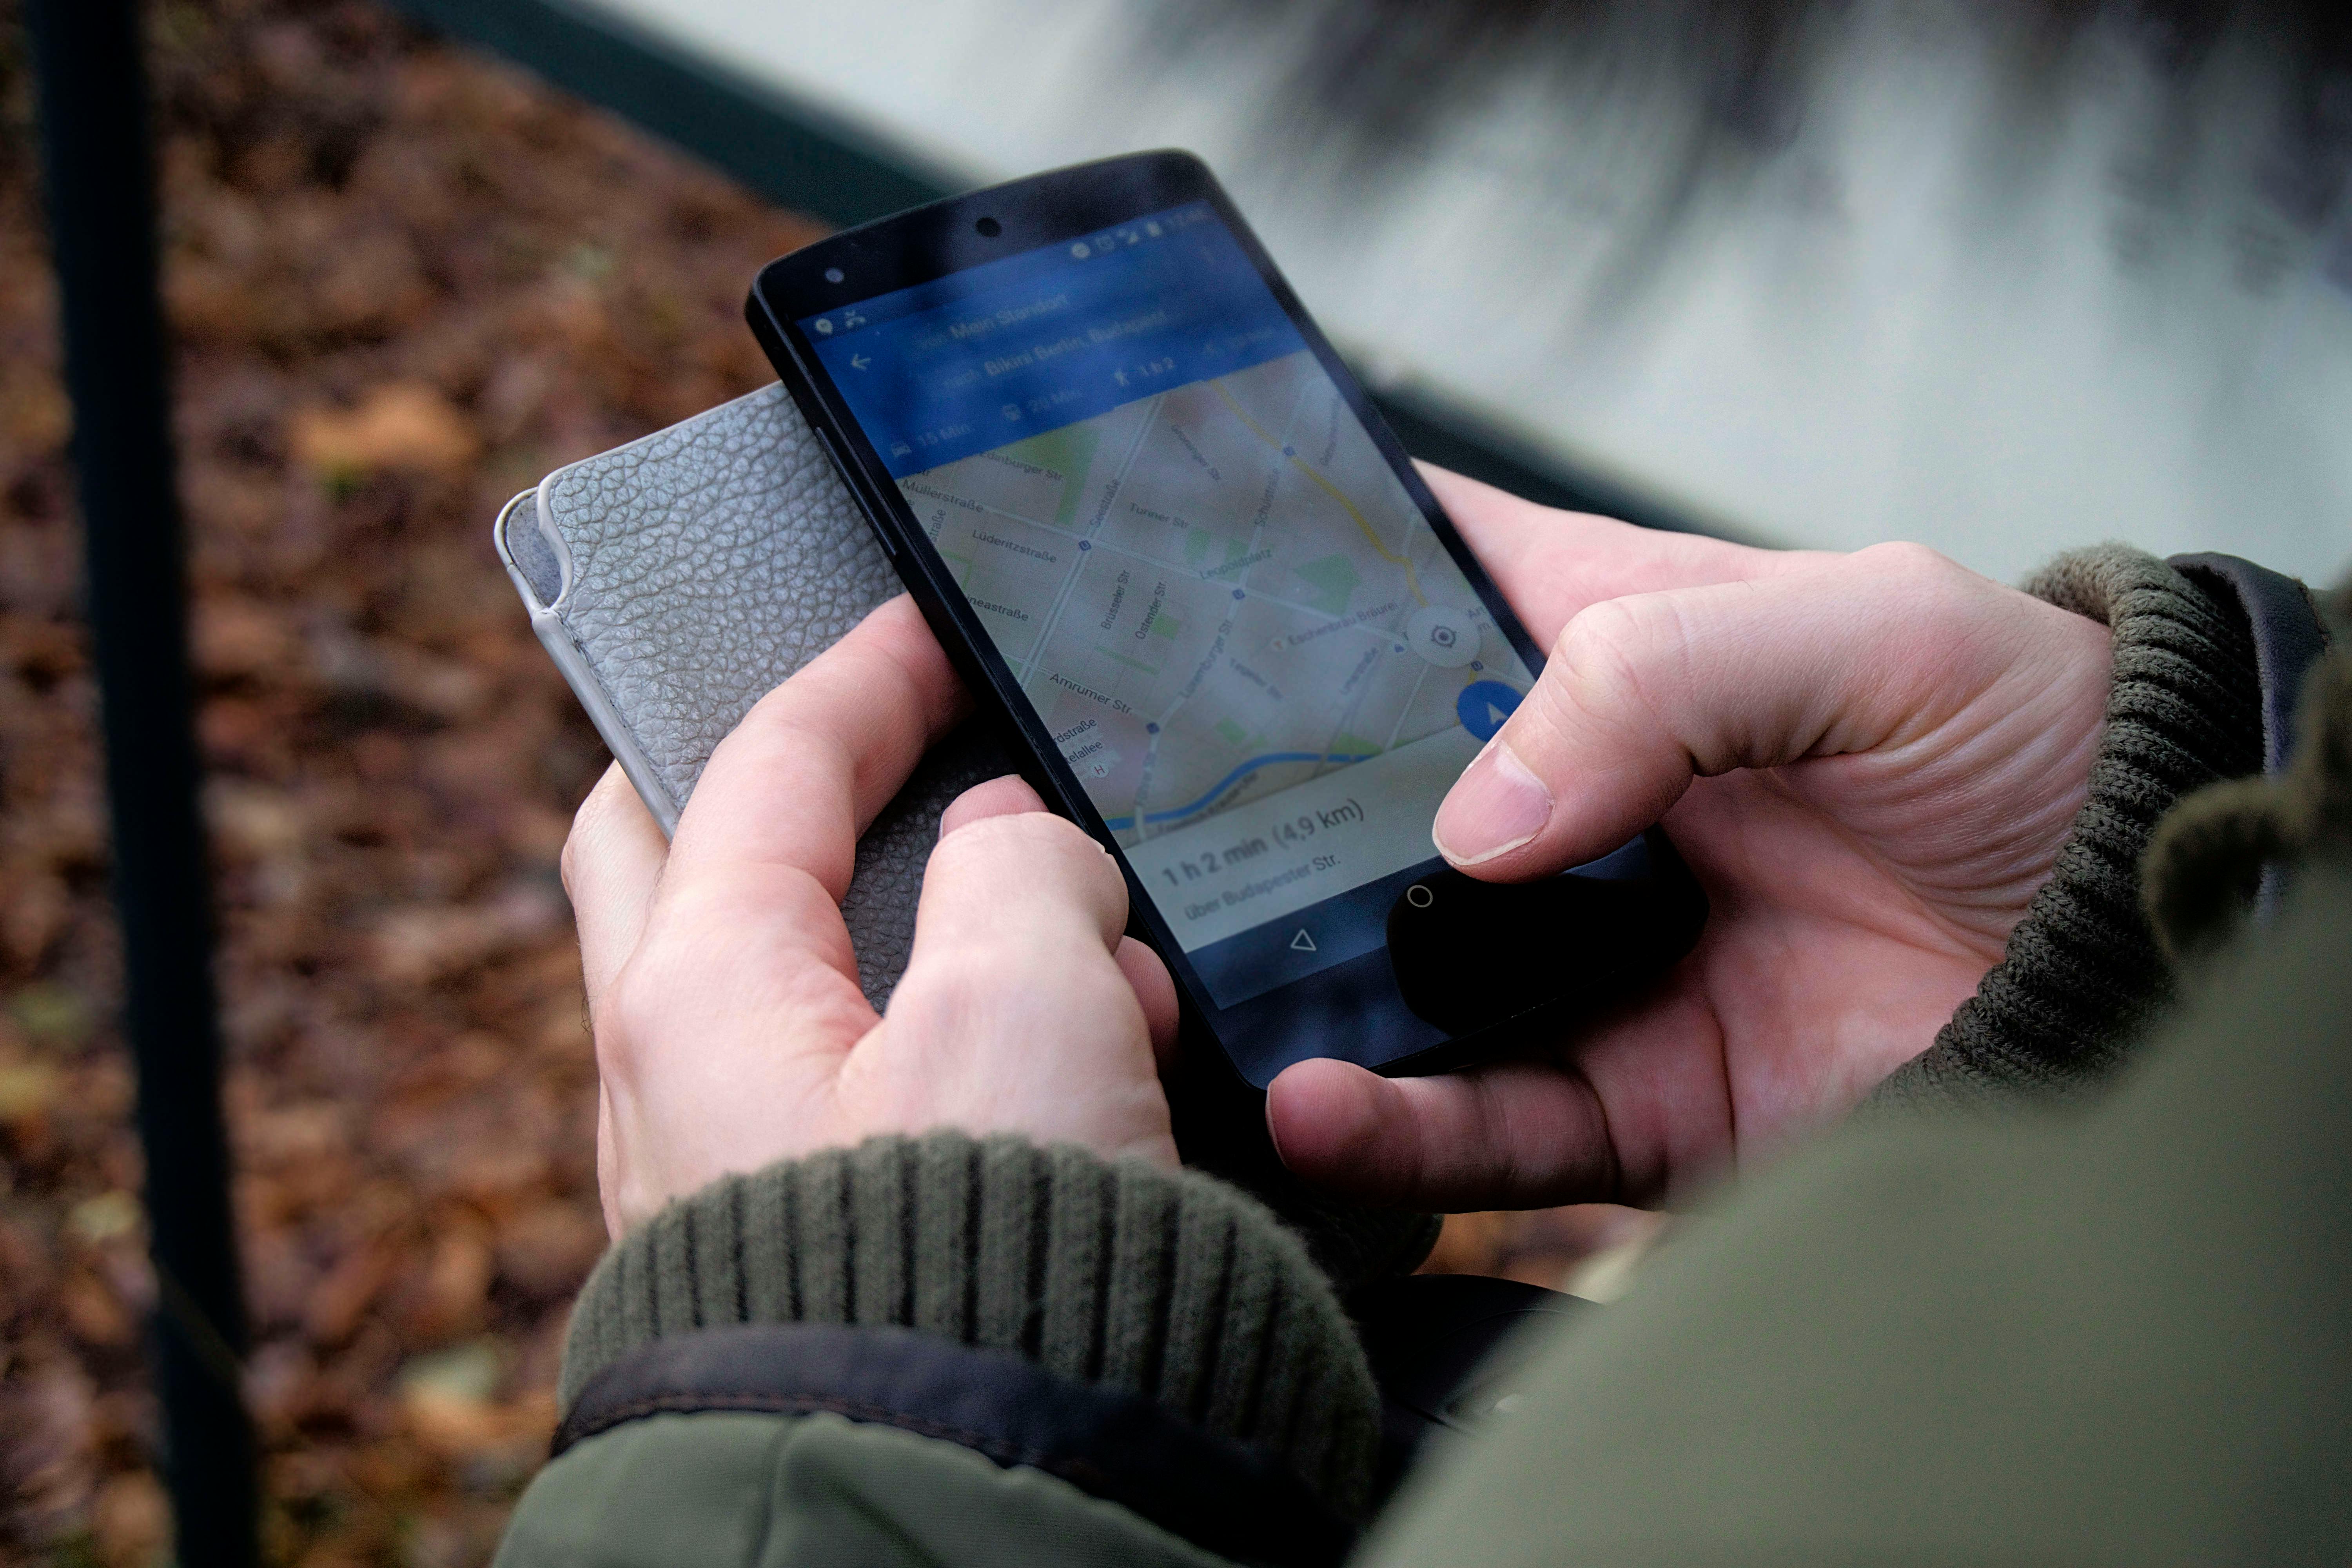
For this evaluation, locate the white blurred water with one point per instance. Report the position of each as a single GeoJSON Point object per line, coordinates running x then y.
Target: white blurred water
{"type": "Point", "coordinates": [1906, 316]}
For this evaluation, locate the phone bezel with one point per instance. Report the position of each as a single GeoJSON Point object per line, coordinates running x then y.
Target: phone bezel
{"type": "Point", "coordinates": [928, 243]}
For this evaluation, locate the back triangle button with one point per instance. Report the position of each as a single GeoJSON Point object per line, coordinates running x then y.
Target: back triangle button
{"type": "Point", "coordinates": [1302, 942]}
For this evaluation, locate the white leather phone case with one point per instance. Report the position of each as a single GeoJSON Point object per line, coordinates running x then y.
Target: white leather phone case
{"type": "Point", "coordinates": [680, 578]}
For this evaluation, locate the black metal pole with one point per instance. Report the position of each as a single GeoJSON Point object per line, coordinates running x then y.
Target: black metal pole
{"type": "Point", "coordinates": [100, 175]}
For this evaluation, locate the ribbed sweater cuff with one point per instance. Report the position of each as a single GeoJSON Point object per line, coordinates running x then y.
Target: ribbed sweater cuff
{"type": "Point", "coordinates": [2082, 974]}
{"type": "Point", "coordinates": [1164, 1283]}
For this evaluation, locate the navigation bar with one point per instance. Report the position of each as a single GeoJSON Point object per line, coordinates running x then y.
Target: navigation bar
{"type": "Point", "coordinates": [1295, 847]}
{"type": "Point", "coordinates": [990, 356]}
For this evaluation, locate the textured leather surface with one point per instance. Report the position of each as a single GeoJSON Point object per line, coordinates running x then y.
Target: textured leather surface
{"type": "Point", "coordinates": [707, 563]}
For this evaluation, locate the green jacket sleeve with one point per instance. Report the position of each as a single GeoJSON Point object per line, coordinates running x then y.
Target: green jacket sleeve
{"type": "Point", "coordinates": [980, 1275]}
{"type": "Point", "coordinates": [768, 1492]}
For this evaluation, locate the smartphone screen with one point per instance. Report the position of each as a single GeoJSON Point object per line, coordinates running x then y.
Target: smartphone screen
{"type": "Point", "coordinates": [1247, 642]}
{"type": "Point", "coordinates": [1146, 505]}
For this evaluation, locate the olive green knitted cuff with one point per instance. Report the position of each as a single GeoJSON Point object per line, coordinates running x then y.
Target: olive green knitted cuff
{"type": "Point", "coordinates": [1164, 1283]}
{"type": "Point", "coordinates": [2082, 974]}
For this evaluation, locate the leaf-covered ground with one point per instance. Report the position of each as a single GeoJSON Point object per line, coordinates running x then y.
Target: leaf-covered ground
{"type": "Point", "coordinates": [404, 283]}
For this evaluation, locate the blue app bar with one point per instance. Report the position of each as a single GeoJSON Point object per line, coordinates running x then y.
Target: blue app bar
{"type": "Point", "coordinates": [1000, 352]}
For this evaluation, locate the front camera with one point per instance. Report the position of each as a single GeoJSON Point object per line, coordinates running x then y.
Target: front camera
{"type": "Point", "coordinates": [989, 228]}
{"type": "Point", "coordinates": [833, 274]}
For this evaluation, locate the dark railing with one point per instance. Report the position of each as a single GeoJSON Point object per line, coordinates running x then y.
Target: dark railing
{"type": "Point", "coordinates": [99, 178]}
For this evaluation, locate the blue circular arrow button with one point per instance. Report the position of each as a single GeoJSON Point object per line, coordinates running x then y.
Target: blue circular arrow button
{"type": "Point", "coordinates": [1484, 705]}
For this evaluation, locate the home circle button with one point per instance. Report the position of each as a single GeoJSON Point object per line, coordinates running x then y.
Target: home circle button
{"type": "Point", "coordinates": [1418, 896]}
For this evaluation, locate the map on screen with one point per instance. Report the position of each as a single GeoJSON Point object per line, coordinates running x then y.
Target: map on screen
{"type": "Point", "coordinates": [1217, 596]}
{"type": "Point", "coordinates": [1244, 635]}
{"type": "Point", "coordinates": [1211, 594]}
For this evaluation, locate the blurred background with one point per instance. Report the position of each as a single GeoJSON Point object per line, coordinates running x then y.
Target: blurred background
{"type": "Point", "coordinates": [2002, 277]}
{"type": "Point", "coordinates": [1995, 275]}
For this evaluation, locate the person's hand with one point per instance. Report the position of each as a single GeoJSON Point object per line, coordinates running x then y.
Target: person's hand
{"type": "Point", "coordinates": [730, 1031]}
{"type": "Point", "coordinates": [1871, 761]}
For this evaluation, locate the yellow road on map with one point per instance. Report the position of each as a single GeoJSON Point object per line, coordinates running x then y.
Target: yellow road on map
{"type": "Point", "coordinates": [1411, 581]}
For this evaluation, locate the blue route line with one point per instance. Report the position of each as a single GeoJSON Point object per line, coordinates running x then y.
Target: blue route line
{"type": "Point", "coordinates": [1121, 824]}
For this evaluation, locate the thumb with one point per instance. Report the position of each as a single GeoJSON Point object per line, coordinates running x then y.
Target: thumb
{"type": "Point", "coordinates": [1645, 692]}
{"type": "Point", "coordinates": [1016, 1014]}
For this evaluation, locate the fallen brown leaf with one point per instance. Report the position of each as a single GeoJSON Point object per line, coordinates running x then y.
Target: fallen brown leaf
{"type": "Point", "coordinates": [239, 637]}
{"type": "Point", "coordinates": [94, 1313]}
{"type": "Point", "coordinates": [401, 425]}
{"type": "Point", "coordinates": [415, 946]}
{"type": "Point", "coordinates": [27, 1089]}
{"type": "Point", "coordinates": [350, 1289]}
{"type": "Point", "coordinates": [131, 1521]}
{"type": "Point", "coordinates": [455, 1291]}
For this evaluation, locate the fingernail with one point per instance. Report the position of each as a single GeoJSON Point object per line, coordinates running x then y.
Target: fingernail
{"type": "Point", "coordinates": [1496, 806]}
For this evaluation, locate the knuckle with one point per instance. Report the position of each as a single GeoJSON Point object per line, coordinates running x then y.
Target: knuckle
{"type": "Point", "coordinates": [1925, 609]}
{"type": "Point", "coordinates": [1597, 636]}
{"type": "Point", "coordinates": [1006, 796]}
{"type": "Point", "coordinates": [1034, 858]}
{"type": "Point", "coordinates": [1033, 837]}
{"type": "Point", "coordinates": [614, 1023]}
{"type": "Point", "coordinates": [803, 720]}
{"type": "Point", "coordinates": [567, 863]}
{"type": "Point", "coordinates": [958, 982]}
{"type": "Point", "coordinates": [1609, 653]}
{"type": "Point", "coordinates": [1904, 561]}
{"type": "Point", "coordinates": [791, 728]}
{"type": "Point", "coordinates": [679, 970]}
{"type": "Point", "coordinates": [956, 994]}
{"type": "Point", "coordinates": [578, 844]}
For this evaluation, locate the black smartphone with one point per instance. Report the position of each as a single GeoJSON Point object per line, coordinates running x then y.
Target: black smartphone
{"type": "Point", "coordinates": [1159, 524]}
